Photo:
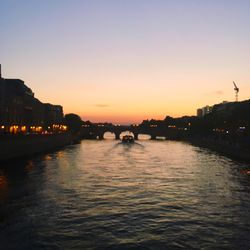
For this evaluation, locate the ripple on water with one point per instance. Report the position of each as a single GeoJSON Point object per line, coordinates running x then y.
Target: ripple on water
{"type": "Point", "coordinates": [106, 195]}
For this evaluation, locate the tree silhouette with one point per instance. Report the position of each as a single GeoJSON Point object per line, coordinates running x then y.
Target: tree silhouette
{"type": "Point", "coordinates": [74, 122]}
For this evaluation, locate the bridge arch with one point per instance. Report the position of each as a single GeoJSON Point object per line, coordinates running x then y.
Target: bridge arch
{"type": "Point", "coordinates": [101, 134]}
{"type": "Point", "coordinates": [109, 135]}
{"type": "Point", "coordinates": [102, 131]}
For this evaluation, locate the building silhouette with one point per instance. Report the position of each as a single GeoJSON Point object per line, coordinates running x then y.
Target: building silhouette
{"type": "Point", "coordinates": [21, 112]}
{"type": "Point", "coordinates": [204, 111]}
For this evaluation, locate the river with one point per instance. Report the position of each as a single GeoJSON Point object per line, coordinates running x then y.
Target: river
{"type": "Point", "coordinates": [107, 195]}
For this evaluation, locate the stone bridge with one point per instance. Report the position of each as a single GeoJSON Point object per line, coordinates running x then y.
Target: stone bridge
{"type": "Point", "coordinates": [97, 131]}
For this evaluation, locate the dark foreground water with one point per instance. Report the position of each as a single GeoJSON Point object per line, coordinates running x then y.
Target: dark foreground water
{"type": "Point", "coordinates": [106, 195]}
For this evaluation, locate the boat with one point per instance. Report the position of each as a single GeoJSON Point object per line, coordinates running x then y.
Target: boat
{"type": "Point", "coordinates": [128, 139]}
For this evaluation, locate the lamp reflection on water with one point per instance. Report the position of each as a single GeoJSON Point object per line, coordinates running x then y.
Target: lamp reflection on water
{"type": "Point", "coordinates": [3, 187]}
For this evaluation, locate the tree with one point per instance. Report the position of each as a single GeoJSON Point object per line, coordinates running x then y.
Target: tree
{"type": "Point", "coordinates": [74, 122]}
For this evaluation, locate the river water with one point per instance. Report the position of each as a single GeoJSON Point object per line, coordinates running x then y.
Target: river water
{"type": "Point", "coordinates": [107, 195]}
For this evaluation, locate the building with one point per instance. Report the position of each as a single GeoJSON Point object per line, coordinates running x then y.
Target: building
{"type": "Point", "coordinates": [53, 114]}
{"type": "Point", "coordinates": [204, 111]}
{"type": "Point", "coordinates": [21, 112]}
{"type": "Point", "coordinates": [199, 112]}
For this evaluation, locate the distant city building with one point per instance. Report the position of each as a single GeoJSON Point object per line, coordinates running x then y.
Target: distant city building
{"type": "Point", "coordinates": [217, 107]}
{"type": "Point", "coordinates": [204, 111]}
{"type": "Point", "coordinates": [53, 114]}
{"type": "Point", "coordinates": [20, 111]}
{"type": "Point", "coordinates": [223, 107]}
{"type": "Point", "coordinates": [199, 112]}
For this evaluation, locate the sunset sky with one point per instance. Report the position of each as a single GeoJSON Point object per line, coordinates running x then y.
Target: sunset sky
{"type": "Point", "coordinates": [128, 60]}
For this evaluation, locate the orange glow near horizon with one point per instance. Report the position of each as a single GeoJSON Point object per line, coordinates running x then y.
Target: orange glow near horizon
{"type": "Point", "coordinates": [131, 97]}
{"type": "Point", "coordinates": [122, 61]}
{"type": "Point", "coordinates": [130, 113]}
{"type": "Point", "coordinates": [118, 119]}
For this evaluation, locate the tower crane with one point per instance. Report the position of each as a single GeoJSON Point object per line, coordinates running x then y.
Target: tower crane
{"type": "Point", "coordinates": [236, 89]}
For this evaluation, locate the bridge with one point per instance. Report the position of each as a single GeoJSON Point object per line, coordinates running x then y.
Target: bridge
{"type": "Point", "coordinates": [97, 131]}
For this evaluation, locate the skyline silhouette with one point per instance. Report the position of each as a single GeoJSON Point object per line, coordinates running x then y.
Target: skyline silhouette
{"type": "Point", "coordinates": [126, 61]}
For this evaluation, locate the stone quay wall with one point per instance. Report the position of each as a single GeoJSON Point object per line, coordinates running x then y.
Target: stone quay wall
{"type": "Point", "coordinates": [17, 146]}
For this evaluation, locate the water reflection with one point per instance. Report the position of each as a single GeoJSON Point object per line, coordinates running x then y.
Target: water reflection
{"type": "Point", "coordinates": [144, 137]}
{"type": "Point", "coordinates": [3, 187]}
{"type": "Point", "coordinates": [107, 195]}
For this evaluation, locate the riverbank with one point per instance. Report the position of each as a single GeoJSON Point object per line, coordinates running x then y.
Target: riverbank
{"type": "Point", "coordinates": [12, 147]}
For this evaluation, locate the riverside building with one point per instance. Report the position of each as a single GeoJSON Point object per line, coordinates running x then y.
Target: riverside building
{"type": "Point", "coordinates": [204, 111]}
{"type": "Point", "coordinates": [21, 112]}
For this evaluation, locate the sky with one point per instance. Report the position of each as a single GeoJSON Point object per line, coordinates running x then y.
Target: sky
{"type": "Point", "coordinates": [123, 61]}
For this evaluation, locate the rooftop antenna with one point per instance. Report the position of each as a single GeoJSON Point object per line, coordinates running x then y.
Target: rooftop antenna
{"type": "Point", "coordinates": [236, 89]}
